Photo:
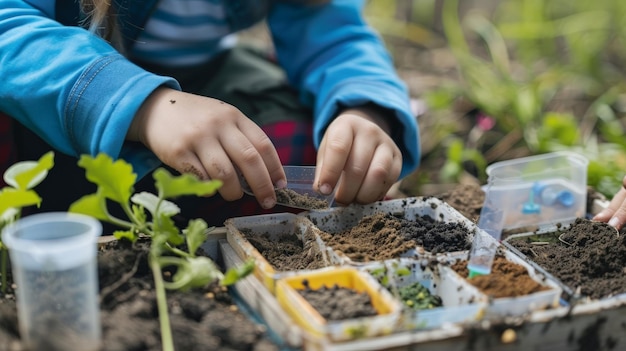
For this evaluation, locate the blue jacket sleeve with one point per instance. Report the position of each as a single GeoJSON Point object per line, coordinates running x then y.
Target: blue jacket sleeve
{"type": "Point", "coordinates": [71, 87]}
{"type": "Point", "coordinates": [336, 60]}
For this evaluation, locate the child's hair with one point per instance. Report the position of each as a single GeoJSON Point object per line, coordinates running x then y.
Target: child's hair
{"type": "Point", "coordinates": [101, 20]}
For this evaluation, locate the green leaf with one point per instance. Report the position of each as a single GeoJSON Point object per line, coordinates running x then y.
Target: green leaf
{"type": "Point", "coordinates": [167, 228]}
{"type": "Point", "coordinates": [192, 273]}
{"type": "Point", "coordinates": [115, 179]}
{"type": "Point", "coordinates": [403, 271]}
{"type": "Point", "coordinates": [11, 198]}
{"type": "Point", "coordinates": [196, 234]}
{"type": "Point", "coordinates": [235, 274]}
{"type": "Point", "coordinates": [139, 214]}
{"type": "Point", "coordinates": [455, 150]}
{"type": "Point", "coordinates": [28, 174]}
{"type": "Point", "coordinates": [186, 184]}
{"type": "Point", "coordinates": [125, 234]}
{"type": "Point", "coordinates": [150, 201]}
{"type": "Point", "coordinates": [92, 205]}
{"type": "Point", "coordinates": [450, 171]}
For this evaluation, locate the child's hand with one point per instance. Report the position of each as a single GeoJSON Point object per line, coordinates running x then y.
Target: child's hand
{"type": "Point", "coordinates": [357, 143]}
{"type": "Point", "coordinates": [615, 214]}
{"type": "Point", "coordinates": [211, 139]}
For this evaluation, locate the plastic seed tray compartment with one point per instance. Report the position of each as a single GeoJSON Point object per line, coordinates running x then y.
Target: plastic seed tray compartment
{"type": "Point", "coordinates": [461, 302]}
{"type": "Point", "coordinates": [503, 307]}
{"type": "Point", "coordinates": [385, 322]}
{"type": "Point", "coordinates": [337, 220]}
{"type": "Point", "coordinates": [274, 227]}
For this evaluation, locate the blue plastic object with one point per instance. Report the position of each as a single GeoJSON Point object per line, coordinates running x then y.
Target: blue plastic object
{"type": "Point", "coordinates": [550, 195]}
{"type": "Point", "coordinates": [531, 206]}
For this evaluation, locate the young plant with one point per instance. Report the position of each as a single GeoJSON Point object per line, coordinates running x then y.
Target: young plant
{"type": "Point", "coordinates": [151, 215]}
{"type": "Point", "coordinates": [20, 178]}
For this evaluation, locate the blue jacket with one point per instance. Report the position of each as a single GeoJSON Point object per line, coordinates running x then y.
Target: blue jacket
{"type": "Point", "coordinates": [79, 94]}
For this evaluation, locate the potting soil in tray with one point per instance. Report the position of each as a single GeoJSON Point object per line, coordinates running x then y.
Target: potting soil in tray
{"type": "Point", "coordinates": [589, 258]}
{"type": "Point", "coordinates": [514, 287]}
{"type": "Point", "coordinates": [280, 244]}
{"type": "Point", "coordinates": [390, 230]}
{"type": "Point", "coordinates": [339, 304]}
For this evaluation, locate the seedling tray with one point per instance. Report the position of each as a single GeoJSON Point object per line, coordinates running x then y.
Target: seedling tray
{"type": "Point", "coordinates": [594, 325]}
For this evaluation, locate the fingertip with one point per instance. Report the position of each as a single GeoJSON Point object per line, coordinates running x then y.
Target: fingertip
{"type": "Point", "coordinates": [281, 184]}
{"type": "Point", "coordinates": [615, 223]}
{"type": "Point", "coordinates": [602, 216]}
{"type": "Point", "coordinates": [268, 203]}
{"type": "Point", "coordinates": [326, 189]}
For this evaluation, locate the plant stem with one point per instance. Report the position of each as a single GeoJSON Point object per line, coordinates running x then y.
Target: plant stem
{"type": "Point", "coordinates": [164, 319]}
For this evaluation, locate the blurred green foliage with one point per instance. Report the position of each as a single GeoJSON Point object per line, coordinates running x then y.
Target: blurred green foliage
{"type": "Point", "coordinates": [551, 74]}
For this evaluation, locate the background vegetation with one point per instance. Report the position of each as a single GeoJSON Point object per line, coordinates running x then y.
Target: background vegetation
{"type": "Point", "coordinates": [495, 80]}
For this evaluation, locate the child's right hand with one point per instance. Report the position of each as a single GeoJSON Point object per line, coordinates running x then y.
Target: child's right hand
{"type": "Point", "coordinates": [211, 139]}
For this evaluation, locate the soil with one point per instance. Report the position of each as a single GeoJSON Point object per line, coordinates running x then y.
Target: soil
{"type": "Point", "coordinates": [336, 303]}
{"type": "Point", "coordinates": [507, 279]}
{"type": "Point", "coordinates": [207, 319]}
{"type": "Point", "coordinates": [289, 197]}
{"type": "Point", "coordinates": [589, 256]}
{"type": "Point", "coordinates": [288, 252]}
{"type": "Point", "coordinates": [468, 199]}
{"type": "Point", "coordinates": [383, 236]}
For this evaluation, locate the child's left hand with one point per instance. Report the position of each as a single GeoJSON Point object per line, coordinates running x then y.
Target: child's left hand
{"type": "Point", "coordinates": [357, 144]}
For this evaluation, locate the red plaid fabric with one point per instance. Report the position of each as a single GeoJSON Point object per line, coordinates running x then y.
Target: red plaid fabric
{"type": "Point", "coordinates": [7, 147]}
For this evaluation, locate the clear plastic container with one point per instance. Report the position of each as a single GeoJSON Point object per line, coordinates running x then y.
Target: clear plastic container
{"type": "Point", "coordinates": [53, 258]}
{"type": "Point", "coordinates": [303, 313]}
{"type": "Point", "coordinates": [273, 227]}
{"type": "Point", "coordinates": [461, 302]}
{"type": "Point", "coordinates": [299, 192]}
{"type": "Point", "coordinates": [539, 190]}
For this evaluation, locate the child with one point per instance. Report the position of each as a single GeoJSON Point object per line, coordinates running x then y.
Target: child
{"type": "Point", "coordinates": [165, 83]}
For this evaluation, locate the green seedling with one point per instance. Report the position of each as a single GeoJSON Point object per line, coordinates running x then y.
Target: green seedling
{"type": "Point", "coordinates": [20, 178]}
{"type": "Point", "coordinates": [149, 215]}
{"type": "Point", "coordinates": [417, 297]}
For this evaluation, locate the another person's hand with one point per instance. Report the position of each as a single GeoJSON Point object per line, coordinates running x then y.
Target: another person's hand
{"type": "Point", "coordinates": [358, 156]}
{"type": "Point", "coordinates": [615, 213]}
{"type": "Point", "coordinates": [211, 139]}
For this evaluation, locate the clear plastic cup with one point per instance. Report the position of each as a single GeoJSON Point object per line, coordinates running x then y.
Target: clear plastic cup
{"type": "Point", "coordinates": [299, 192]}
{"type": "Point", "coordinates": [300, 180]}
{"type": "Point", "coordinates": [53, 260]}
